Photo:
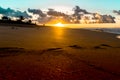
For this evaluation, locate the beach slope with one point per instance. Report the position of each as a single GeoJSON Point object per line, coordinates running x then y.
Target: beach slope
{"type": "Point", "coordinates": [88, 55]}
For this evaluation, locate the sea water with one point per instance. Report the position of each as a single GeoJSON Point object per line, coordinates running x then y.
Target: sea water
{"type": "Point", "coordinates": [107, 27]}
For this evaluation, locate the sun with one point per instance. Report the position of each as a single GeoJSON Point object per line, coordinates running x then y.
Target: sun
{"type": "Point", "coordinates": [59, 24]}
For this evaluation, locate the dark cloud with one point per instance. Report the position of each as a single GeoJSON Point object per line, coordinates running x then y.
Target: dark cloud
{"type": "Point", "coordinates": [117, 12]}
{"type": "Point", "coordinates": [13, 13]}
{"type": "Point", "coordinates": [78, 10]}
{"type": "Point", "coordinates": [52, 12]}
{"type": "Point", "coordinates": [36, 11]}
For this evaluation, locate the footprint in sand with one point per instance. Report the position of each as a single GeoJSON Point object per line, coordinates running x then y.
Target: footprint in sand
{"type": "Point", "coordinates": [102, 46]}
{"type": "Point", "coordinates": [98, 47]}
{"type": "Point", "coordinates": [76, 47]}
{"type": "Point", "coordinates": [54, 49]}
{"type": "Point", "coordinates": [11, 49]}
{"type": "Point", "coordinates": [105, 45]}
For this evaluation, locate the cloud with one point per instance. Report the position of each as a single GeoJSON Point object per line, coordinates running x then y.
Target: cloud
{"type": "Point", "coordinates": [36, 11]}
{"type": "Point", "coordinates": [52, 12]}
{"type": "Point", "coordinates": [117, 12]}
{"type": "Point", "coordinates": [77, 10]}
{"type": "Point", "coordinates": [13, 13]}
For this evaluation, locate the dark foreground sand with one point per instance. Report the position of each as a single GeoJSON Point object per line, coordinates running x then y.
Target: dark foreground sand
{"type": "Point", "coordinates": [95, 58]}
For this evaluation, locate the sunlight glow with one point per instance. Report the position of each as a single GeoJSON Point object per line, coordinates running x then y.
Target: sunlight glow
{"type": "Point", "coordinates": [59, 24]}
{"type": "Point", "coordinates": [118, 36]}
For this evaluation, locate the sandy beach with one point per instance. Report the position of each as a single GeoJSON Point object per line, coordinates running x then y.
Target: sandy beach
{"type": "Point", "coordinates": [58, 54]}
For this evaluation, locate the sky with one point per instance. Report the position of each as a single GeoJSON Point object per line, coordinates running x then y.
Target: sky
{"type": "Point", "coordinates": [100, 6]}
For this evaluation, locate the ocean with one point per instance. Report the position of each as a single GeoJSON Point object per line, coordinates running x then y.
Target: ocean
{"type": "Point", "coordinates": [107, 27]}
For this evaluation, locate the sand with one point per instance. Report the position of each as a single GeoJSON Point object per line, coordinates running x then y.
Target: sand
{"type": "Point", "coordinates": [88, 55]}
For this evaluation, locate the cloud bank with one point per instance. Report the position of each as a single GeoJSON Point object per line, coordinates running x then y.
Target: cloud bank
{"type": "Point", "coordinates": [117, 12]}
{"type": "Point", "coordinates": [12, 13]}
{"type": "Point", "coordinates": [37, 11]}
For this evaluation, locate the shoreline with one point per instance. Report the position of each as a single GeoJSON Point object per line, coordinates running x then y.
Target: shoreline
{"type": "Point", "coordinates": [102, 27]}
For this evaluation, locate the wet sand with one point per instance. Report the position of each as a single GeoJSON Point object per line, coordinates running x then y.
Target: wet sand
{"type": "Point", "coordinates": [69, 54]}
